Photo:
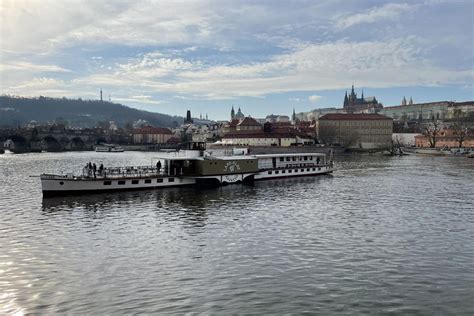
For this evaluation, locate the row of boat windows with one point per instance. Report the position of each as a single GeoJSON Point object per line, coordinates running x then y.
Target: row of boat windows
{"type": "Point", "coordinates": [295, 158]}
{"type": "Point", "coordinates": [147, 181]}
{"type": "Point", "coordinates": [290, 171]}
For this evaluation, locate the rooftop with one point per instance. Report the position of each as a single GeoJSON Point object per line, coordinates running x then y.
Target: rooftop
{"type": "Point", "coordinates": [353, 117]}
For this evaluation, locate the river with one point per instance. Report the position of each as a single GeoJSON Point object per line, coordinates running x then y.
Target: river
{"type": "Point", "coordinates": [382, 235]}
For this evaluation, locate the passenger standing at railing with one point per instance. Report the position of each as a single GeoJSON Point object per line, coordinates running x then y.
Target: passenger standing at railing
{"type": "Point", "coordinates": [158, 166]}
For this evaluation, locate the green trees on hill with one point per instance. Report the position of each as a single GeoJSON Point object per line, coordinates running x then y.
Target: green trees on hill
{"type": "Point", "coordinates": [16, 111]}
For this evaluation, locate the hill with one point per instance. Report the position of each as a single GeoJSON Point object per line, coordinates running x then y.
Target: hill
{"type": "Point", "coordinates": [17, 111]}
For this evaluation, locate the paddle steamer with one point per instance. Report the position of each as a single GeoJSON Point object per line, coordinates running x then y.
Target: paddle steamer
{"type": "Point", "coordinates": [193, 166]}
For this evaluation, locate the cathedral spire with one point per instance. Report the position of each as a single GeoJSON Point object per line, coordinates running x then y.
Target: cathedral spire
{"type": "Point", "coordinates": [404, 101]}
{"type": "Point", "coordinates": [232, 113]}
{"type": "Point", "coordinates": [410, 102]}
{"type": "Point", "coordinates": [362, 96]}
{"type": "Point", "coordinates": [346, 100]}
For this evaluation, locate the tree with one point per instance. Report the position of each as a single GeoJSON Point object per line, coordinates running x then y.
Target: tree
{"type": "Point", "coordinates": [432, 131]}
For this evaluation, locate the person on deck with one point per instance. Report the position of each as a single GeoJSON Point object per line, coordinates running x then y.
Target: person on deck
{"type": "Point", "coordinates": [94, 168]}
{"type": "Point", "coordinates": [158, 166]}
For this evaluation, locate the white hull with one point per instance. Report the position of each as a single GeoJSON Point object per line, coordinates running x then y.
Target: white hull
{"type": "Point", "coordinates": [57, 186]}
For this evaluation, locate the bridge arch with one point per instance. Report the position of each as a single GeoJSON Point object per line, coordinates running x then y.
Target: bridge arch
{"type": "Point", "coordinates": [51, 144]}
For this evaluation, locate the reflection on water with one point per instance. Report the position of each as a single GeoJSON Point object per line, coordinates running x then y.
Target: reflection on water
{"type": "Point", "coordinates": [380, 235]}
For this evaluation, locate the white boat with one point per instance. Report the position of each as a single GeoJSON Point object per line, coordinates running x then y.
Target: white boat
{"type": "Point", "coordinates": [189, 167]}
{"type": "Point", "coordinates": [443, 151]}
{"type": "Point", "coordinates": [110, 148]}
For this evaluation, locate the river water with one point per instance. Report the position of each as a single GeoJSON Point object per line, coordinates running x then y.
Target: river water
{"type": "Point", "coordinates": [380, 235]}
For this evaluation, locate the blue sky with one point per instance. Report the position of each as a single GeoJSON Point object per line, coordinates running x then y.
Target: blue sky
{"type": "Point", "coordinates": [263, 56]}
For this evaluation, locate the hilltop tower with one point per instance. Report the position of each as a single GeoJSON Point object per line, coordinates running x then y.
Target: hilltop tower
{"type": "Point", "coordinates": [100, 95]}
{"type": "Point", "coordinates": [188, 119]}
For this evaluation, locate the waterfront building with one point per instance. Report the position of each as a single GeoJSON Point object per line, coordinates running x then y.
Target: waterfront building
{"type": "Point", "coordinates": [446, 138]}
{"type": "Point", "coordinates": [152, 135]}
{"type": "Point", "coordinates": [364, 131]}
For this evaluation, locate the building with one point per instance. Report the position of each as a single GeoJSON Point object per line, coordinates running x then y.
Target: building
{"type": "Point", "coordinates": [353, 104]}
{"type": "Point", "coordinates": [417, 112]}
{"type": "Point", "coordinates": [151, 135]}
{"type": "Point", "coordinates": [249, 132]}
{"type": "Point", "coordinates": [446, 138]}
{"type": "Point", "coordinates": [272, 118]}
{"type": "Point", "coordinates": [248, 124]}
{"type": "Point", "coordinates": [364, 131]}
{"type": "Point", "coordinates": [316, 113]}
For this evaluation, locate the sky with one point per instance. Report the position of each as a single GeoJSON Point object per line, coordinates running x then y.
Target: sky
{"type": "Point", "coordinates": [266, 57]}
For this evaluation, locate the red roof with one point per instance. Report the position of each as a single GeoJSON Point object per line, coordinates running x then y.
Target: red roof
{"type": "Point", "coordinates": [353, 117]}
{"type": "Point", "coordinates": [153, 130]}
{"type": "Point", "coordinates": [248, 121]}
{"type": "Point", "coordinates": [280, 133]}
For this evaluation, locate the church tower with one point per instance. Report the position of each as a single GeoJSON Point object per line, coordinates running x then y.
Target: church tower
{"type": "Point", "coordinates": [188, 119]}
{"type": "Point", "coordinates": [404, 101]}
{"type": "Point", "coordinates": [346, 101]}
{"type": "Point", "coordinates": [232, 113]}
{"type": "Point", "coordinates": [410, 102]}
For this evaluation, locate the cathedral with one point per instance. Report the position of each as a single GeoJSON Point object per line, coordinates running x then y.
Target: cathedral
{"type": "Point", "coordinates": [353, 104]}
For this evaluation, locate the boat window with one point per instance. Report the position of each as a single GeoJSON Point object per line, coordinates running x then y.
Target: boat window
{"type": "Point", "coordinates": [159, 180]}
{"type": "Point", "coordinates": [287, 158]}
{"type": "Point", "coordinates": [319, 169]}
{"type": "Point", "coordinates": [310, 157]}
{"type": "Point", "coordinates": [148, 181]}
{"type": "Point", "coordinates": [170, 179]}
{"type": "Point", "coordinates": [302, 170]}
{"type": "Point", "coordinates": [61, 183]}
{"type": "Point", "coordinates": [296, 170]}
{"type": "Point", "coordinates": [269, 172]}
{"type": "Point", "coordinates": [308, 169]}
{"type": "Point", "coordinates": [135, 181]}
{"type": "Point", "coordinates": [277, 172]}
{"type": "Point", "coordinates": [289, 171]}
{"type": "Point", "coordinates": [107, 182]}
{"type": "Point", "coordinates": [294, 158]}
{"type": "Point", "coordinates": [283, 171]}
{"type": "Point", "coordinates": [282, 159]}
{"type": "Point", "coordinates": [314, 169]}
{"type": "Point", "coordinates": [121, 182]}
{"type": "Point", "coordinates": [305, 157]}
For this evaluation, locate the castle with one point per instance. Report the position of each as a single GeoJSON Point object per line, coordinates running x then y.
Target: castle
{"type": "Point", "coordinates": [353, 104]}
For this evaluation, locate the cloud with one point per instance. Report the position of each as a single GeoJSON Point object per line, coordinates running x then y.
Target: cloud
{"type": "Point", "coordinates": [390, 11]}
{"type": "Point", "coordinates": [314, 98]}
{"type": "Point", "coordinates": [30, 67]}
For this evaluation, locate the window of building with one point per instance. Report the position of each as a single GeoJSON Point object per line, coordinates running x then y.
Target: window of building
{"type": "Point", "coordinates": [121, 182]}
{"type": "Point", "coordinates": [170, 179]}
{"type": "Point", "coordinates": [135, 181]}
{"type": "Point", "coordinates": [107, 182]}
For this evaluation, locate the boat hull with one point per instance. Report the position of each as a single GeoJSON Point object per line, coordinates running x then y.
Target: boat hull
{"type": "Point", "coordinates": [67, 186]}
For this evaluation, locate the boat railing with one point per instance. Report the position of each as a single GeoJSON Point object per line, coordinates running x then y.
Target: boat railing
{"type": "Point", "coordinates": [120, 172]}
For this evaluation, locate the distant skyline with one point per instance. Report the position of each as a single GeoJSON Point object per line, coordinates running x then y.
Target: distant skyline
{"type": "Point", "coordinates": [262, 56]}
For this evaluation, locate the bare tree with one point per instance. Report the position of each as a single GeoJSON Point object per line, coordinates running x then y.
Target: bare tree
{"type": "Point", "coordinates": [432, 131]}
{"type": "Point", "coordinates": [461, 133]}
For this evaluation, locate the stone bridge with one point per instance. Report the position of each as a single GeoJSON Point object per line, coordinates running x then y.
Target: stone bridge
{"type": "Point", "coordinates": [27, 140]}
